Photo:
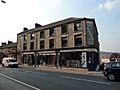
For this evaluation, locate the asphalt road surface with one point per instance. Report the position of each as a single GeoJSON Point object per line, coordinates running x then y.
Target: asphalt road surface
{"type": "Point", "coordinates": [31, 79]}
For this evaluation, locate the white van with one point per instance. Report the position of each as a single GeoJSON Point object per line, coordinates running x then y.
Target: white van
{"type": "Point", "coordinates": [9, 62]}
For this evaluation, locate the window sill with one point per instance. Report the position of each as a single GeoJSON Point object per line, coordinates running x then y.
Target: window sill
{"type": "Point", "coordinates": [64, 33]}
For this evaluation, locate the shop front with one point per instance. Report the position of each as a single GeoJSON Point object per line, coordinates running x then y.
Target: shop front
{"type": "Point", "coordinates": [78, 58]}
{"type": "Point", "coordinates": [83, 58]}
{"type": "Point", "coordinates": [28, 59]}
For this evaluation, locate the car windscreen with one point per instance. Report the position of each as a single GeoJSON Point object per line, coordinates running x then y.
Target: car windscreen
{"type": "Point", "coordinates": [12, 60]}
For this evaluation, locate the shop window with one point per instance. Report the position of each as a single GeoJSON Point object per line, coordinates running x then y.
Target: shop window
{"type": "Point", "coordinates": [32, 36]}
{"type": "Point", "coordinates": [25, 46]}
{"type": "Point", "coordinates": [51, 43]}
{"type": "Point", "coordinates": [64, 41]}
{"type": "Point", "coordinates": [25, 37]}
{"type": "Point", "coordinates": [51, 32]}
{"type": "Point", "coordinates": [64, 29]}
{"type": "Point", "coordinates": [42, 34]}
{"type": "Point", "coordinates": [25, 59]}
{"type": "Point", "coordinates": [31, 45]}
{"type": "Point", "coordinates": [42, 44]}
{"type": "Point", "coordinates": [77, 27]}
{"type": "Point", "coordinates": [78, 40]}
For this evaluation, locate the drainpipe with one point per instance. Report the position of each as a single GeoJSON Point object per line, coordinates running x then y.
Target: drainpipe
{"type": "Point", "coordinates": [57, 58]}
{"type": "Point", "coordinates": [35, 59]}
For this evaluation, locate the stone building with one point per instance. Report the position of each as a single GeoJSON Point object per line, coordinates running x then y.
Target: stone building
{"type": "Point", "coordinates": [72, 42]}
{"type": "Point", "coordinates": [104, 57]}
{"type": "Point", "coordinates": [8, 49]}
{"type": "Point", "coordinates": [115, 57]}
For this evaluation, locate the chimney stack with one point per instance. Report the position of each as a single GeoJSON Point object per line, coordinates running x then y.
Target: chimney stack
{"type": "Point", "coordinates": [3, 43]}
{"type": "Point", "coordinates": [9, 42]}
{"type": "Point", "coordinates": [37, 25]}
{"type": "Point", "coordinates": [25, 29]}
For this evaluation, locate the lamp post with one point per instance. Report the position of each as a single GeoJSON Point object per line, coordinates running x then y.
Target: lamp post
{"type": "Point", "coordinates": [3, 1]}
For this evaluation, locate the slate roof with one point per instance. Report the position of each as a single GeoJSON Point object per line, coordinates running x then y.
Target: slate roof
{"type": "Point", "coordinates": [54, 24]}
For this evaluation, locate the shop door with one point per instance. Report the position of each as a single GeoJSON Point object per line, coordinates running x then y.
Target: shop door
{"type": "Point", "coordinates": [91, 61]}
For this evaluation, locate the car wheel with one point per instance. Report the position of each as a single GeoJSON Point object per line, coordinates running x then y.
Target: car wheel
{"type": "Point", "coordinates": [111, 77]}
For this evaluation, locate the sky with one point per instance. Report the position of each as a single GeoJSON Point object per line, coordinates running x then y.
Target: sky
{"type": "Point", "coordinates": [17, 14]}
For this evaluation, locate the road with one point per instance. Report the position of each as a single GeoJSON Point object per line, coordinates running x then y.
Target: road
{"type": "Point", "coordinates": [31, 79]}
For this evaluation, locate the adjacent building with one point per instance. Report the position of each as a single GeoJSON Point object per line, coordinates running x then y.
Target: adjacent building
{"type": "Point", "coordinates": [8, 49]}
{"type": "Point", "coordinates": [72, 42]}
{"type": "Point", "coordinates": [108, 57]}
{"type": "Point", "coordinates": [105, 57]}
{"type": "Point", "coordinates": [115, 57]}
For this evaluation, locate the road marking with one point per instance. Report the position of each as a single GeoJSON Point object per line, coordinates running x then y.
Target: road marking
{"type": "Point", "coordinates": [37, 72]}
{"type": "Point", "coordinates": [28, 85]}
{"type": "Point", "coordinates": [81, 79]}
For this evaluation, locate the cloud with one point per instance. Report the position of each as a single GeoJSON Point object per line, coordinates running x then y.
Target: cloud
{"type": "Point", "coordinates": [109, 4]}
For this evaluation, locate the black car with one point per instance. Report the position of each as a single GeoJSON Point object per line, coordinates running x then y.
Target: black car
{"type": "Point", "coordinates": [112, 71]}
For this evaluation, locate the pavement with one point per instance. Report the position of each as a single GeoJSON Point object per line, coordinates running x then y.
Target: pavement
{"type": "Point", "coordinates": [82, 71]}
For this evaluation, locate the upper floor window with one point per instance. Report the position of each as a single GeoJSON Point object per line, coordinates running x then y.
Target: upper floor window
{"type": "Point", "coordinates": [51, 32]}
{"type": "Point", "coordinates": [77, 27]}
{"type": "Point", "coordinates": [64, 42]}
{"type": "Point", "coordinates": [25, 38]}
{"type": "Point", "coordinates": [42, 44]}
{"type": "Point", "coordinates": [31, 45]}
{"type": "Point", "coordinates": [78, 40]}
{"type": "Point", "coordinates": [32, 36]}
{"type": "Point", "coordinates": [51, 43]}
{"type": "Point", "coordinates": [25, 46]}
{"type": "Point", "coordinates": [42, 34]}
{"type": "Point", "coordinates": [64, 29]}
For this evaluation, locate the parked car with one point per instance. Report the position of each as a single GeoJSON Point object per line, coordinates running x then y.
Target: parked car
{"type": "Point", "coordinates": [9, 62]}
{"type": "Point", "coordinates": [112, 71]}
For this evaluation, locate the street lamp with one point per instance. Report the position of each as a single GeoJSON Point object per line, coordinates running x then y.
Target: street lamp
{"type": "Point", "coordinates": [3, 1]}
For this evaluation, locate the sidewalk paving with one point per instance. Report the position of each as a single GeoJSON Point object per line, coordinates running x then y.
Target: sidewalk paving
{"type": "Point", "coordinates": [66, 70]}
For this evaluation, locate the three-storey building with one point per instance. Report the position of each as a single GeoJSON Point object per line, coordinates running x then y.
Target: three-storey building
{"type": "Point", "coordinates": [72, 42]}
